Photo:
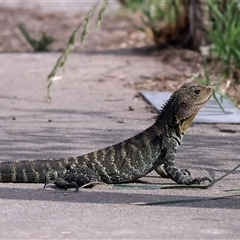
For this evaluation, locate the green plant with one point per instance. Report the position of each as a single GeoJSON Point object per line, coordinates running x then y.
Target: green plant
{"type": "Point", "coordinates": [225, 32]}
{"type": "Point", "coordinates": [155, 11]}
{"type": "Point", "coordinates": [85, 26]}
{"type": "Point", "coordinates": [160, 20]}
{"type": "Point", "coordinates": [40, 45]}
{"type": "Point", "coordinates": [216, 91]}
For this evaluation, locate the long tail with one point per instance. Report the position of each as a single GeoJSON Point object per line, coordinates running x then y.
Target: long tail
{"type": "Point", "coordinates": [33, 171]}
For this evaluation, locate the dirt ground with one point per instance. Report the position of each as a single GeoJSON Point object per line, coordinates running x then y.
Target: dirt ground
{"type": "Point", "coordinates": [117, 30]}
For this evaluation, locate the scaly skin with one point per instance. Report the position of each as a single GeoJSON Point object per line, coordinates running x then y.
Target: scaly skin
{"type": "Point", "coordinates": [154, 148]}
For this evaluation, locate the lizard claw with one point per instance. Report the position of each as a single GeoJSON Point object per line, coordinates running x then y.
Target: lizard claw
{"type": "Point", "coordinates": [46, 183]}
{"type": "Point", "coordinates": [200, 180]}
{"type": "Point", "coordinates": [185, 172]}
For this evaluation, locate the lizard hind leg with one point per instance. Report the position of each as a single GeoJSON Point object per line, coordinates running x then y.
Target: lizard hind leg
{"type": "Point", "coordinates": [62, 183]}
{"type": "Point", "coordinates": [77, 177]}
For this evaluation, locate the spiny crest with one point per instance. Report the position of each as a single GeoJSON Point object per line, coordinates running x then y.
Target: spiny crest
{"type": "Point", "coordinates": [162, 110]}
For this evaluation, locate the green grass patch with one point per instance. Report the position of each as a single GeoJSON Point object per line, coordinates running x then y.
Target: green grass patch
{"type": "Point", "coordinates": [40, 45]}
{"type": "Point", "coordinates": [225, 33]}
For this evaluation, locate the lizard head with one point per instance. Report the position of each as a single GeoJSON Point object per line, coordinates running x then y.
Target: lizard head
{"type": "Point", "coordinates": [185, 103]}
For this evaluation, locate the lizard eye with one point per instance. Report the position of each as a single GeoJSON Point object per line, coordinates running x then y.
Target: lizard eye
{"type": "Point", "coordinates": [183, 104]}
{"type": "Point", "coordinates": [196, 91]}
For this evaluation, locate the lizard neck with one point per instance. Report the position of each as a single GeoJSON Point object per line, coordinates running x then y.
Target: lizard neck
{"type": "Point", "coordinates": [169, 123]}
{"type": "Point", "coordinates": [185, 124]}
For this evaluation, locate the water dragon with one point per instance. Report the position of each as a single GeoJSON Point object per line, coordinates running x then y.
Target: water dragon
{"type": "Point", "coordinates": [153, 149]}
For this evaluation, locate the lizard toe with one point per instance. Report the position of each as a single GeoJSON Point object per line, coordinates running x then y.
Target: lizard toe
{"type": "Point", "coordinates": [199, 180]}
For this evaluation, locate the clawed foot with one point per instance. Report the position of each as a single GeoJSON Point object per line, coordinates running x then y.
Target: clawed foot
{"type": "Point", "coordinates": [199, 180]}
{"type": "Point", "coordinates": [46, 184]}
{"type": "Point", "coordinates": [73, 180]}
{"type": "Point", "coordinates": [61, 183]}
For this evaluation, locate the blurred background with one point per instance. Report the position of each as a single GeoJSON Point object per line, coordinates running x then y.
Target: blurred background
{"type": "Point", "coordinates": [194, 36]}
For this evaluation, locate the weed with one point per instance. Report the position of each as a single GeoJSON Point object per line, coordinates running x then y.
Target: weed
{"type": "Point", "coordinates": [84, 25]}
{"type": "Point", "coordinates": [225, 33]}
{"type": "Point", "coordinates": [162, 21]}
{"type": "Point", "coordinates": [40, 45]}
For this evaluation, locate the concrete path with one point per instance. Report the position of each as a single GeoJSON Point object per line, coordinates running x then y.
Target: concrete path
{"type": "Point", "coordinates": [90, 110]}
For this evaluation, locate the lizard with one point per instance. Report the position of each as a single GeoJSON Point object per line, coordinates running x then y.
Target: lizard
{"type": "Point", "coordinates": [154, 148]}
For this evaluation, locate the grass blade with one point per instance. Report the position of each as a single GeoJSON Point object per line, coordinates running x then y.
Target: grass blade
{"type": "Point", "coordinates": [86, 23]}
{"type": "Point", "coordinates": [63, 58]}
{"type": "Point", "coordinates": [133, 186]}
{"type": "Point", "coordinates": [102, 10]}
{"type": "Point", "coordinates": [232, 190]}
{"type": "Point", "coordinates": [185, 200]}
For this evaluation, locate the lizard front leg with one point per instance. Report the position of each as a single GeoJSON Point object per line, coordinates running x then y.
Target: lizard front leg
{"type": "Point", "coordinates": [177, 175]}
{"type": "Point", "coordinates": [162, 172]}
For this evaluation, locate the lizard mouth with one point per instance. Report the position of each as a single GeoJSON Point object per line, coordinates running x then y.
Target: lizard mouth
{"type": "Point", "coordinates": [205, 99]}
